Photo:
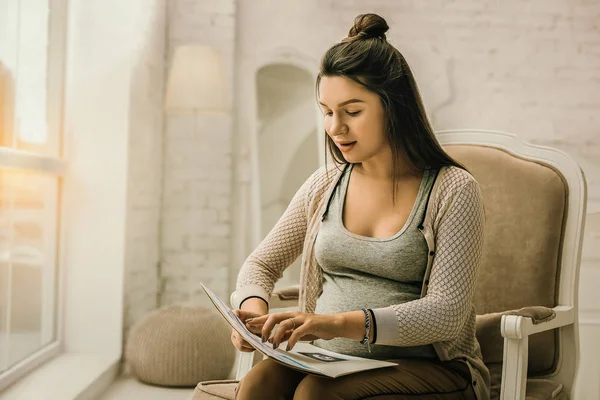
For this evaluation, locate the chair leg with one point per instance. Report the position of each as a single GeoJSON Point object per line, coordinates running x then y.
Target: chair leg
{"type": "Point", "coordinates": [514, 369]}
{"type": "Point", "coordinates": [246, 361]}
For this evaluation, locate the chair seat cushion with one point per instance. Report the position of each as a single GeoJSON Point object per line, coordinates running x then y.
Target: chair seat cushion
{"type": "Point", "coordinates": [544, 389]}
{"type": "Point", "coordinates": [537, 389]}
{"type": "Point", "coordinates": [215, 390]}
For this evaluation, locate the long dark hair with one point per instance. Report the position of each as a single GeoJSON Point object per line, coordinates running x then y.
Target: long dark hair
{"type": "Point", "coordinates": [366, 57]}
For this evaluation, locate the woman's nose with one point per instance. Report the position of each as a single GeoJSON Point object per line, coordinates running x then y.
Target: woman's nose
{"type": "Point", "coordinates": [337, 126]}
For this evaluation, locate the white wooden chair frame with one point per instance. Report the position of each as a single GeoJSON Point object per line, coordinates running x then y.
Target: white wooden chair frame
{"type": "Point", "coordinates": [517, 329]}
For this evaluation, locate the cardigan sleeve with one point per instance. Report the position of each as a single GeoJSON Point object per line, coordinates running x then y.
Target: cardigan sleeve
{"type": "Point", "coordinates": [279, 249]}
{"type": "Point", "coordinates": [441, 314]}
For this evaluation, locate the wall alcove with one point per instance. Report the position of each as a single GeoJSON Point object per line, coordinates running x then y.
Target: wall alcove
{"type": "Point", "coordinates": [287, 143]}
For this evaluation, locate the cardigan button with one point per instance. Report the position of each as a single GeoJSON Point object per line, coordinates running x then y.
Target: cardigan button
{"type": "Point", "coordinates": [420, 227]}
{"type": "Point", "coordinates": [431, 253]}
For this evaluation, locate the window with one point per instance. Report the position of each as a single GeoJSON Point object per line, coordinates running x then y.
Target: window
{"type": "Point", "coordinates": [31, 84]}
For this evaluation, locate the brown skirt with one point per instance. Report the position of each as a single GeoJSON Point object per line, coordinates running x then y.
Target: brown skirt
{"type": "Point", "coordinates": [410, 379]}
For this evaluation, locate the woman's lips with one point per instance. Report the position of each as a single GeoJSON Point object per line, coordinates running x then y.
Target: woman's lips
{"type": "Point", "coordinates": [346, 147]}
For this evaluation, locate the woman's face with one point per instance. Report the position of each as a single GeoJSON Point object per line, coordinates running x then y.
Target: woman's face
{"type": "Point", "coordinates": [354, 118]}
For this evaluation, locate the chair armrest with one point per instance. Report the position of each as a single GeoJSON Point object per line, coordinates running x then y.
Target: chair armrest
{"type": "Point", "coordinates": [284, 298]}
{"type": "Point", "coordinates": [516, 330]}
{"type": "Point", "coordinates": [529, 321]}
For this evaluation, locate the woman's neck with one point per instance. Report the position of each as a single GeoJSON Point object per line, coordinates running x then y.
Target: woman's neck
{"type": "Point", "coordinates": [382, 171]}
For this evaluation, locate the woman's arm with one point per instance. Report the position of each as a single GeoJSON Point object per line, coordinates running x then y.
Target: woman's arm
{"type": "Point", "coordinates": [280, 248]}
{"type": "Point", "coordinates": [308, 326]}
{"type": "Point", "coordinates": [441, 314]}
{"type": "Point", "coordinates": [255, 305]}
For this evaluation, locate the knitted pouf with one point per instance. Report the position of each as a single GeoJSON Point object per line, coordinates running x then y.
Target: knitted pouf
{"type": "Point", "coordinates": [180, 345]}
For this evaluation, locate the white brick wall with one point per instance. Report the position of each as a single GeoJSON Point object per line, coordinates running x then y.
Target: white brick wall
{"type": "Point", "coordinates": [196, 221]}
{"type": "Point", "coordinates": [532, 69]}
{"type": "Point", "coordinates": [145, 166]}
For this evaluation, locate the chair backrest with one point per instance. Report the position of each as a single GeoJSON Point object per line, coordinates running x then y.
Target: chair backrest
{"type": "Point", "coordinates": [534, 199]}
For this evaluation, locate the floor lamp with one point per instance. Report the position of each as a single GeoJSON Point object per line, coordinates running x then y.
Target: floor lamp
{"type": "Point", "coordinates": [196, 86]}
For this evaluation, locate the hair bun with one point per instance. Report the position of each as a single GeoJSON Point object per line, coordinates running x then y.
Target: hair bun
{"type": "Point", "coordinates": [368, 26]}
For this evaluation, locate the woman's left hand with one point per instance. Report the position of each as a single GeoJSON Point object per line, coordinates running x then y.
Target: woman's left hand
{"type": "Point", "coordinates": [295, 326]}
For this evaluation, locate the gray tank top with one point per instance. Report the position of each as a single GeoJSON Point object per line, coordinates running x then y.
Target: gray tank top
{"type": "Point", "coordinates": [365, 272]}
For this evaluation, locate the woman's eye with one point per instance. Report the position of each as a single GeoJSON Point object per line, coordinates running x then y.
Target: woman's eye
{"type": "Point", "coordinates": [352, 114]}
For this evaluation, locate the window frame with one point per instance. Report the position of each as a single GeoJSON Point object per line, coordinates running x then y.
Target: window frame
{"type": "Point", "coordinates": [23, 160]}
{"type": "Point", "coordinates": [98, 84]}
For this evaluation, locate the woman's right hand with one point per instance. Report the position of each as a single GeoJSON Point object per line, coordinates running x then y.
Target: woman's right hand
{"type": "Point", "coordinates": [237, 340]}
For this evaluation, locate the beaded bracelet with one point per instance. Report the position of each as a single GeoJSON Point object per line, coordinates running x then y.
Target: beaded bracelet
{"type": "Point", "coordinates": [365, 340]}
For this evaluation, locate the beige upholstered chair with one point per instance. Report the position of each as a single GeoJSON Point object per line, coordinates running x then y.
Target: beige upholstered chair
{"type": "Point", "coordinates": [535, 200]}
{"type": "Point", "coordinates": [526, 297]}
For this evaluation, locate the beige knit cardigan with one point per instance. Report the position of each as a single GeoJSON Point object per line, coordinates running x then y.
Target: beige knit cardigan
{"type": "Point", "coordinates": [453, 229]}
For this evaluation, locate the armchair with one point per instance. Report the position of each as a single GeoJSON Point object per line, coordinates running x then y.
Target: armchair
{"type": "Point", "coordinates": [526, 296]}
{"type": "Point", "coordinates": [535, 201]}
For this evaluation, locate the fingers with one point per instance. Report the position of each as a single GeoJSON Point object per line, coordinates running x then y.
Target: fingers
{"type": "Point", "coordinates": [246, 348]}
{"type": "Point", "coordinates": [254, 328]}
{"type": "Point", "coordinates": [240, 343]}
{"type": "Point", "coordinates": [236, 341]}
{"type": "Point", "coordinates": [244, 315]}
{"type": "Point", "coordinates": [273, 319]}
{"type": "Point", "coordinates": [284, 326]}
{"type": "Point", "coordinates": [302, 333]}
{"type": "Point", "coordinates": [260, 319]}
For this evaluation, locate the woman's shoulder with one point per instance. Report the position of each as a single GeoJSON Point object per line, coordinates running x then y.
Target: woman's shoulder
{"type": "Point", "coordinates": [453, 179]}
{"type": "Point", "coordinates": [321, 180]}
{"type": "Point", "coordinates": [325, 176]}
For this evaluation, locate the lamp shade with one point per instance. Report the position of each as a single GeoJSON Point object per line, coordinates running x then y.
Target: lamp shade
{"type": "Point", "coordinates": [196, 81]}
